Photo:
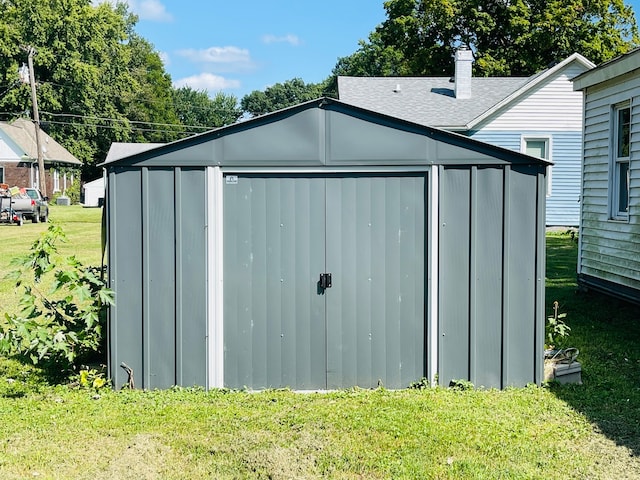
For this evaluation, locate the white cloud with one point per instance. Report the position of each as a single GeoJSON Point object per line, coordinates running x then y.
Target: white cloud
{"type": "Point", "coordinates": [229, 59]}
{"type": "Point", "coordinates": [152, 10]}
{"type": "Point", "coordinates": [289, 38]}
{"type": "Point", "coordinates": [166, 59]}
{"type": "Point", "coordinates": [207, 81]}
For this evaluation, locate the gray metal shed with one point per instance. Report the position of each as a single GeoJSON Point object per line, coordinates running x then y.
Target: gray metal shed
{"type": "Point", "coordinates": [326, 246]}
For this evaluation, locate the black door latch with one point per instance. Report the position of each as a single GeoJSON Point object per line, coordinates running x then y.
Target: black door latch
{"type": "Point", "coordinates": [325, 281]}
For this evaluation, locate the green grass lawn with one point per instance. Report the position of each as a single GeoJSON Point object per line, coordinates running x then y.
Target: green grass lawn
{"type": "Point", "coordinates": [81, 226]}
{"type": "Point", "coordinates": [588, 431]}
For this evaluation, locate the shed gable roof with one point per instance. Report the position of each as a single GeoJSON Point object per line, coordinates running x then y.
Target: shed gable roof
{"type": "Point", "coordinates": [119, 150]}
{"type": "Point", "coordinates": [324, 132]}
{"type": "Point", "coordinates": [431, 101]}
{"type": "Point", "coordinates": [23, 136]}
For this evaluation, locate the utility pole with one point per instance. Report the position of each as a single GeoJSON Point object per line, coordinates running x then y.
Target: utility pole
{"type": "Point", "coordinates": [42, 182]}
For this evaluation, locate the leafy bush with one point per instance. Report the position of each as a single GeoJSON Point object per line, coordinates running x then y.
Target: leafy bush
{"type": "Point", "coordinates": [63, 327]}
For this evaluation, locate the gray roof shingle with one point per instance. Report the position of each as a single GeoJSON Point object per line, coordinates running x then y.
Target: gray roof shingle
{"type": "Point", "coordinates": [427, 100]}
{"type": "Point", "coordinates": [431, 101]}
{"type": "Point", "coordinates": [22, 132]}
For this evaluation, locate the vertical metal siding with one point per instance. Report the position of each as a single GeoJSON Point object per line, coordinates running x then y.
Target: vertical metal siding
{"type": "Point", "coordinates": [191, 277]}
{"type": "Point", "coordinates": [455, 199]}
{"type": "Point", "coordinates": [520, 273]}
{"type": "Point", "coordinates": [486, 277]}
{"type": "Point", "coordinates": [158, 325]}
{"type": "Point", "coordinates": [158, 223]}
{"type": "Point", "coordinates": [376, 307]}
{"type": "Point", "coordinates": [274, 252]}
{"type": "Point", "coordinates": [125, 254]}
{"type": "Point", "coordinates": [490, 299]}
{"type": "Point", "coordinates": [303, 211]}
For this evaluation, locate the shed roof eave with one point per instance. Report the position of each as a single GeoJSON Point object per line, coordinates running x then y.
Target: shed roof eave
{"type": "Point", "coordinates": [452, 128]}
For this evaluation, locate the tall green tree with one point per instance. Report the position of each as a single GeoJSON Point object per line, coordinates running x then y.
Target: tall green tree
{"type": "Point", "coordinates": [150, 110]}
{"type": "Point", "coordinates": [508, 37]}
{"type": "Point", "coordinates": [280, 95]}
{"type": "Point", "coordinates": [195, 108]}
{"type": "Point", "coordinates": [97, 81]}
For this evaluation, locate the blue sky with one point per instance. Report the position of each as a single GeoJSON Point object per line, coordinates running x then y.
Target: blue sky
{"type": "Point", "coordinates": [238, 47]}
{"type": "Point", "coordinates": [241, 46]}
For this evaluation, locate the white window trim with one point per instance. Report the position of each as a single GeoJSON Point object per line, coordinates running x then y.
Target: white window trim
{"type": "Point", "coordinates": [614, 165]}
{"type": "Point", "coordinates": [56, 180]}
{"type": "Point", "coordinates": [548, 139]}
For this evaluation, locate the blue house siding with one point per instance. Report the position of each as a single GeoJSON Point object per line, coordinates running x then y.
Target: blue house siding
{"type": "Point", "coordinates": [563, 204]}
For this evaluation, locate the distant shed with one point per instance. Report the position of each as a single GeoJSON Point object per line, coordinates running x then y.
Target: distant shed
{"type": "Point", "coordinates": [93, 193]}
{"type": "Point", "coordinates": [326, 246]}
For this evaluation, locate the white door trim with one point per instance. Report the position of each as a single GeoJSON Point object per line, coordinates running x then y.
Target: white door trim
{"type": "Point", "coordinates": [215, 284]}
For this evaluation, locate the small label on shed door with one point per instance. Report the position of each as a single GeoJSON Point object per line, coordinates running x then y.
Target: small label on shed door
{"type": "Point", "coordinates": [231, 179]}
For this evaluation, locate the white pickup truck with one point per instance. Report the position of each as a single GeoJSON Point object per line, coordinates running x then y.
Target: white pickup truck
{"type": "Point", "coordinates": [28, 203]}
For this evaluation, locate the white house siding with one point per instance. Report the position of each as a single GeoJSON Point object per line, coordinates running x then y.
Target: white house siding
{"type": "Point", "coordinates": [551, 105]}
{"type": "Point", "coordinates": [550, 110]}
{"type": "Point", "coordinates": [609, 248]}
{"type": "Point", "coordinates": [563, 204]}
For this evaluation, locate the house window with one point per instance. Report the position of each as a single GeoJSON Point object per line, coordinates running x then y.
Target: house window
{"type": "Point", "coordinates": [1, 174]}
{"type": "Point", "coordinates": [619, 191]}
{"type": "Point", "coordinates": [539, 147]}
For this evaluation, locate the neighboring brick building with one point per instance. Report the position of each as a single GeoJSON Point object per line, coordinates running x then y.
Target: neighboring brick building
{"type": "Point", "coordinates": [18, 157]}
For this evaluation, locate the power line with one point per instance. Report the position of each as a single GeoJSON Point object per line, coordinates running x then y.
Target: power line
{"type": "Point", "coordinates": [183, 104]}
{"type": "Point", "coordinates": [179, 127]}
{"type": "Point", "coordinates": [124, 120]}
{"type": "Point", "coordinates": [113, 127]}
{"type": "Point", "coordinates": [179, 103]}
{"type": "Point", "coordinates": [9, 87]}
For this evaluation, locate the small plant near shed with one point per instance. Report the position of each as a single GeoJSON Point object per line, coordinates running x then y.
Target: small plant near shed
{"type": "Point", "coordinates": [556, 330]}
{"type": "Point", "coordinates": [62, 308]}
{"type": "Point", "coordinates": [91, 379]}
{"type": "Point", "coordinates": [461, 385]}
{"type": "Point", "coordinates": [422, 384]}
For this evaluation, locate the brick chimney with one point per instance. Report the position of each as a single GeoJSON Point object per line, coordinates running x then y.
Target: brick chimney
{"type": "Point", "coordinates": [462, 78]}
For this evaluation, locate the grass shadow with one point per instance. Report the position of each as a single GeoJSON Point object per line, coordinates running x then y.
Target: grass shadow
{"type": "Point", "coordinates": [607, 333]}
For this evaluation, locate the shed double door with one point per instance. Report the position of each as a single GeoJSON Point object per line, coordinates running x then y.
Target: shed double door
{"type": "Point", "coordinates": [324, 281]}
